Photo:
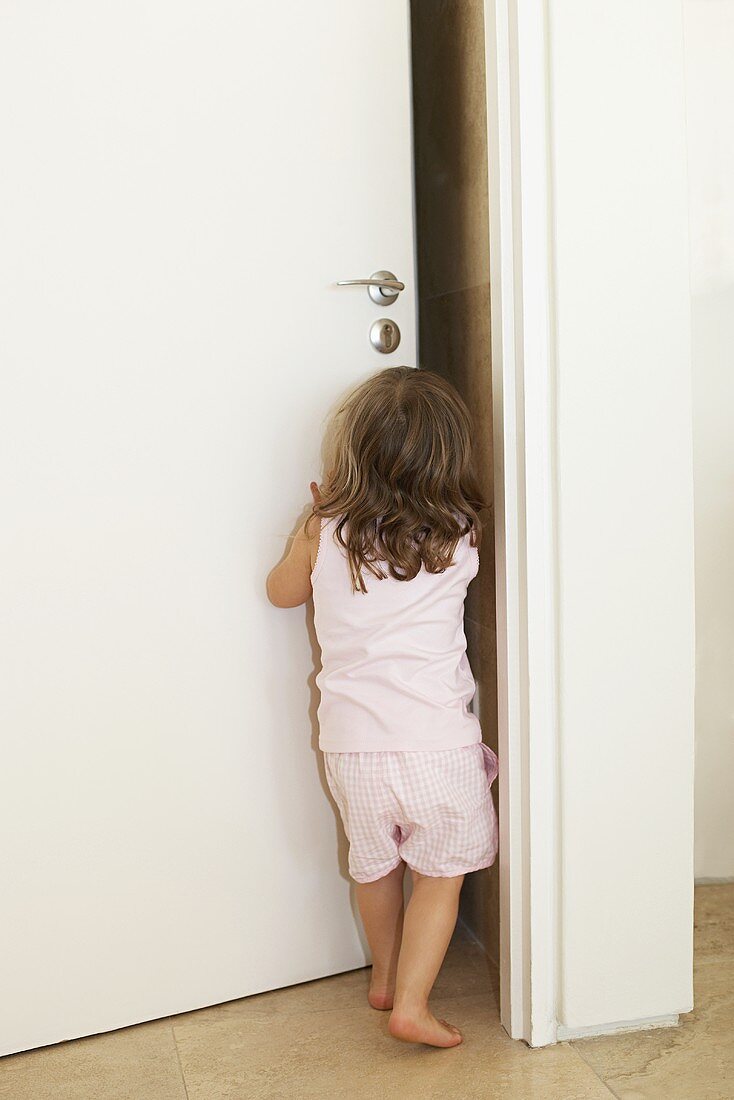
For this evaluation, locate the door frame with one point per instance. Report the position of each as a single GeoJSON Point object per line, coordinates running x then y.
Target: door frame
{"type": "Point", "coordinates": [524, 426]}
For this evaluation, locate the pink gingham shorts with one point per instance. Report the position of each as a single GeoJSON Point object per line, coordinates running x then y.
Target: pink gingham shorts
{"type": "Point", "coordinates": [432, 809]}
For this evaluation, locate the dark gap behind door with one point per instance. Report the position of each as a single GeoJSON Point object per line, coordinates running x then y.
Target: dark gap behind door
{"type": "Point", "coordinates": [452, 217]}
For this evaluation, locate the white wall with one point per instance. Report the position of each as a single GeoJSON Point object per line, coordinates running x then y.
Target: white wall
{"type": "Point", "coordinates": [709, 27]}
{"type": "Point", "coordinates": [626, 582]}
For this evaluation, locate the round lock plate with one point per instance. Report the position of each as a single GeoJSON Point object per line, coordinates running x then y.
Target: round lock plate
{"type": "Point", "coordinates": [383, 295]}
{"type": "Point", "coordinates": [384, 335]}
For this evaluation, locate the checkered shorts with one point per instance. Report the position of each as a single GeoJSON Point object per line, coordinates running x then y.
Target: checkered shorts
{"type": "Point", "coordinates": [432, 809]}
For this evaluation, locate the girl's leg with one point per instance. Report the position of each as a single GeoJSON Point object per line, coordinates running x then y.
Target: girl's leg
{"type": "Point", "coordinates": [430, 920]}
{"type": "Point", "coordinates": [381, 908]}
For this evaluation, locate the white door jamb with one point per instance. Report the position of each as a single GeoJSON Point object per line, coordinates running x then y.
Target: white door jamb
{"type": "Point", "coordinates": [525, 512]}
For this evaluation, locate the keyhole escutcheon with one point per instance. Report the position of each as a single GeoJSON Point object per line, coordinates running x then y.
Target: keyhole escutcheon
{"type": "Point", "coordinates": [384, 335]}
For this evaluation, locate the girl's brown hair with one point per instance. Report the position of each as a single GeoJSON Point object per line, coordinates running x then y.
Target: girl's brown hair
{"type": "Point", "coordinates": [400, 475]}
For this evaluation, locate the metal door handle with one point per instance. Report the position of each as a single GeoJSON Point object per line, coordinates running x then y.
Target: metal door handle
{"type": "Point", "coordinates": [394, 284]}
{"type": "Point", "coordinates": [382, 286]}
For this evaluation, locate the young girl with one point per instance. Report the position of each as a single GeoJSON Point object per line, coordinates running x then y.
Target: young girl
{"type": "Point", "coordinates": [389, 564]}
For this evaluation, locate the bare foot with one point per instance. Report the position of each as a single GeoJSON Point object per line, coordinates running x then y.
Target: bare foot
{"type": "Point", "coordinates": [382, 989]}
{"type": "Point", "coordinates": [380, 998]}
{"type": "Point", "coordinates": [423, 1027]}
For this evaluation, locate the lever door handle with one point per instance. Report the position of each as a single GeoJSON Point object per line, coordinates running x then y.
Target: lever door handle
{"type": "Point", "coordinates": [393, 284]}
{"type": "Point", "coordinates": [382, 286]}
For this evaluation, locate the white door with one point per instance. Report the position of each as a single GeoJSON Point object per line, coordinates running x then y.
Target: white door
{"type": "Point", "coordinates": [183, 184]}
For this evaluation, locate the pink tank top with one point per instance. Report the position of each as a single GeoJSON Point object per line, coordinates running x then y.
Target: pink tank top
{"type": "Point", "coordinates": [395, 674]}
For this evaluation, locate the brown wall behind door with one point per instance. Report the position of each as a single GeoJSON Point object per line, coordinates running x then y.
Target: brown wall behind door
{"type": "Point", "coordinates": [452, 226]}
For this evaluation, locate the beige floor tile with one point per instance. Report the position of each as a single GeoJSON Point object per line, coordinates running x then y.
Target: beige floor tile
{"type": "Point", "coordinates": [694, 1061]}
{"type": "Point", "coordinates": [134, 1063]}
{"type": "Point", "coordinates": [350, 1054]}
{"type": "Point", "coordinates": [714, 924]}
{"type": "Point", "coordinates": [321, 1039]}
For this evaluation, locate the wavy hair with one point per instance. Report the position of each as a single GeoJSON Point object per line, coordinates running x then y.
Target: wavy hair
{"type": "Point", "coordinates": [400, 476]}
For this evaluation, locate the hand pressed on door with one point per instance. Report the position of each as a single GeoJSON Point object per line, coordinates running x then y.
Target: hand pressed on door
{"type": "Point", "coordinates": [289, 583]}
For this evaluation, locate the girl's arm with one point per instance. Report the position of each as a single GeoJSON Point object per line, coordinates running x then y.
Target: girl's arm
{"type": "Point", "coordinates": [289, 583]}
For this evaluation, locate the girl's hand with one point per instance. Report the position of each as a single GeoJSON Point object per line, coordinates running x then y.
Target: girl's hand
{"type": "Point", "coordinates": [289, 583]}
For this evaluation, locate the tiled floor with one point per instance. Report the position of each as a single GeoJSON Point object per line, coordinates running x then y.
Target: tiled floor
{"type": "Point", "coordinates": [322, 1040]}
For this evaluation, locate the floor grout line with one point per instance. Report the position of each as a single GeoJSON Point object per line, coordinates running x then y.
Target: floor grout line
{"type": "Point", "coordinates": [178, 1059]}
{"type": "Point", "coordinates": [594, 1070]}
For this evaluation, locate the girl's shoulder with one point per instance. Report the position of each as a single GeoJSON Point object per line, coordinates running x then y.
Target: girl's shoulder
{"type": "Point", "coordinates": [312, 529]}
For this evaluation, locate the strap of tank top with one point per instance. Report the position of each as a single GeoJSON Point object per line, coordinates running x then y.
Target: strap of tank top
{"type": "Point", "coordinates": [324, 539]}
